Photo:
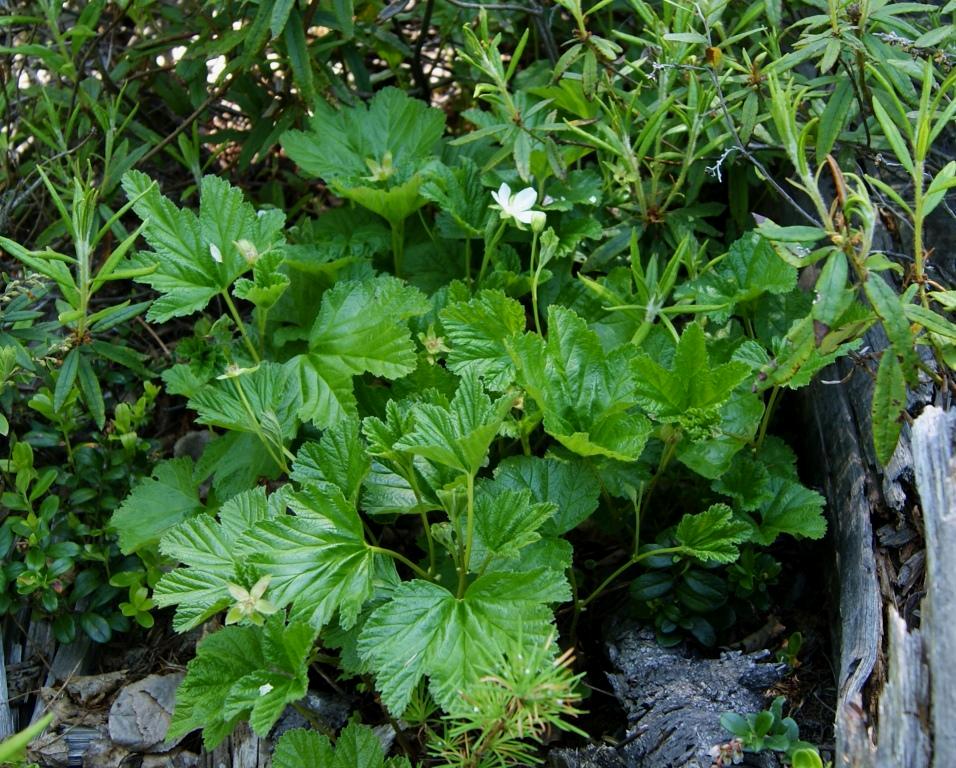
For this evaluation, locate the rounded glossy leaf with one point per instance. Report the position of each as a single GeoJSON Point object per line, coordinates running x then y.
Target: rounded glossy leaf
{"type": "Point", "coordinates": [96, 627]}
{"type": "Point", "coordinates": [64, 628]}
{"type": "Point", "coordinates": [735, 724]}
{"type": "Point", "coordinates": [651, 585]}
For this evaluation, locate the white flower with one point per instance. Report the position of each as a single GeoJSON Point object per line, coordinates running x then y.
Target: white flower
{"type": "Point", "coordinates": [248, 250]}
{"type": "Point", "coordinates": [215, 253]}
{"type": "Point", "coordinates": [517, 206]}
{"type": "Point", "coordinates": [250, 603]}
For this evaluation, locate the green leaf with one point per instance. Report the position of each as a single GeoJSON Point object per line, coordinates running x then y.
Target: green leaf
{"type": "Point", "coordinates": [798, 358]}
{"type": "Point", "coordinates": [691, 385]}
{"type": "Point", "coordinates": [96, 627]}
{"type": "Point", "coordinates": [806, 757]}
{"type": "Point", "coordinates": [318, 559]}
{"type": "Point", "coordinates": [793, 509]}
{"type": "Point", "coordinates": [457, 435]}
{"type": "Point", "coordinates": [280, 14]}
{"type": "Point", "coordinates": [930, 320]}
{"type": "Point", "coordinates": [712, 535]}
{"type": "Point", "coordinates": [264, 399]}
{"type": "Point", "coordinates": [344, 11]}
{"type": "Point", "coordinates": [567, 484]}
{"type": "Point", "coordinates": [361, 327]}
{"type": "Point", "coordinates": [893, 135]}
{"type": "Point", "coordinates": [338, 458]}
{"type": "Point", "coordinates": [891, 309]}
{"type": "Point", "coordinates": [887, 407]}
{"type": "Point", "coordinates": [735, 724]}
{"type": "Point", "coordinates": [156, 504]}
{"type": "Point", "coordinates": [222, 659]}
{"type": "Point", "coordinates": [478, 332]}
{"type": "Point", "coordinates": [92, 394]}
{"type": "Point", "coordinates": [208, 550]}
{"type": "Point", "coordinates": [237, 461]}
{"type": "Point", "coordinates": [750, 269]}
{"type": "Point", "coordinates": [686, 37]}
{"type": "Point", "coordinates": [299, 748]}
{"type": "Point", "coordinates": [461, 198]}
{"type": "Point", "coordinates": [377, 156]}
{"type": "Point", "coordinates": [394, 204]}
{"type": "Point", "coordinates": [340, 143]}
{"type": "Point", "coordinates": [243, 673]}
{"type": "Point", "coordinates": [356, 747]}
{"type": "Point", "coordinates": [297, 49]}
{"type": "Point", "coordinates": [584, 393]}
{"type": "Point", "coordinates": [66, 378]}
{"type": "Point", "coordinates": [833, 118]}
{"type": "Point", "coordinates": [425, 630]}
{"type": "Point", "coordinates": [711, 445]}
{"type": "Point", "coordinates": [196, 257]}
{"type": "Point", "coordinates": [940, 186]}
{"type": "Point", "coordinates": [12, 749]}
{"type": "Point", "coordinates": [746, 481]}
{"type": "Point", "coordinates": [284, 679]}
{"type": "Point", "coordinates": [832, 296]}
{"type": "Point", "coordinates": [797, 234]}
{"type": "Point", "coordinates": [506, 521]}
{"type": "Point", "coordinates": [268, 283]}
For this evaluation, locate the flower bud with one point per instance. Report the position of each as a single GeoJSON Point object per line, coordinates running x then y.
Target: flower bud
{"type": "Point", "coordinates": [538, 221]}
{"type": "Point", "coordinates": [248, 251]}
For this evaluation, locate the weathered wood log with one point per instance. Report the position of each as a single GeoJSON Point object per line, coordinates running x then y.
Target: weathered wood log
{"type": "Point", "coordinates": [673, 701]}
{"type": "Point", "coordinates": [847, 471]}
{"type": "Point", "coordinates": [894, 705]}
{"type": "Point", "coordinates": [243, 749]}
{"type": "Point", "coordinates": [933, 461]}
{"type": "Point", "coordinates": [903, 736]}
{"type": "Point", "coordinates": [6, 716]}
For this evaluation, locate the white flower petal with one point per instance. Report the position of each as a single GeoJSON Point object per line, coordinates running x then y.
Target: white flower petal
{"type": "Point", "coordinates": [524, 199]}
{"type": "Point", "coordinates": [524, 217]}
{"type": "Point", "coordinates": [215, 253]}
{"type": "Point", "coordinates": [259, 588]}
{"type": "Point", "coordinates": [265, 688]}
{"type": "Point", "coordinates": [502, 196]}
{"type": "Point", "coordinates": [238, 593]}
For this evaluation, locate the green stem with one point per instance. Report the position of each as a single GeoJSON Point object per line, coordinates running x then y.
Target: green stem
{"type": "Point", "coordinates": [525, 443]}
{"type": "Point", "coordinates": [431, 542]}
{"type": "Point", "coordinates": [261, 316]}
{"type": "Point", "coordinates": [535, 274]}
{"type": "Point", "coordinates": [768, 412]}
{"type": "Point", "coordinates": [278, 458]}
{"type": "Point", "coordinates": [469, 534]}
{"type": "Point", "coordinates": [918, 227]}
{"type": "Point", "coordinates": [68, 446]}
{"type": "Point", "coordinates": [638, 508]}
{"type": "Point", "coordinates": [413, 482]}
{"type": "Point", "coordinates": [468, 261]}
{"type": "Point", "coordinates": [670, 447]}
{"type": "Point", "coordinates": [633, 560]}
{"type": "Point", "coordinates": [242, 328]}
{"type": "Point", "coordinates": [573, 632]}
{"type": "Point", "coordinates": [401, 558]}
{"type": "Point", "coordinates": [490, 249]}
{"type": "Point", "coordinates": [398, 245]}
